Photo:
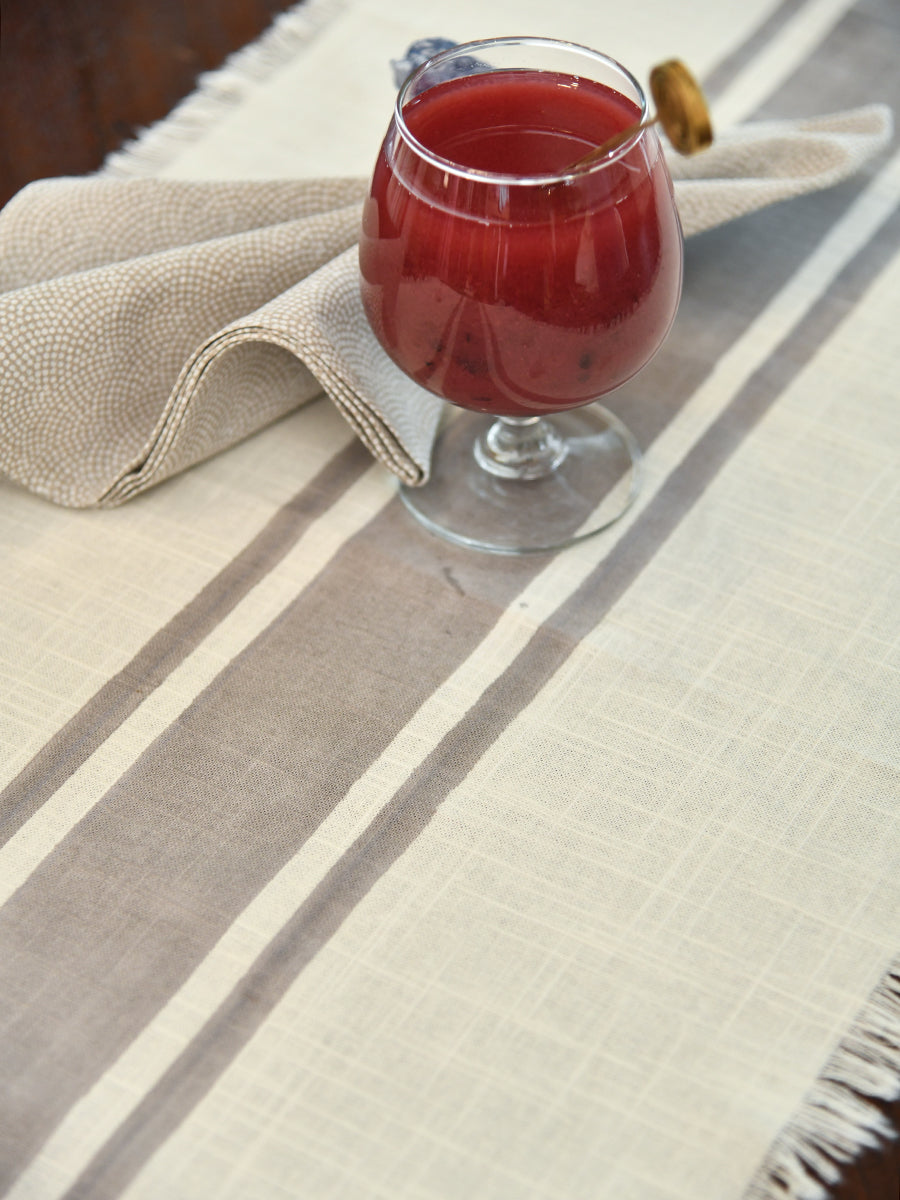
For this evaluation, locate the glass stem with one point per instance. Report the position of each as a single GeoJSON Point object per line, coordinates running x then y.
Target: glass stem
{"type": "Point", "coordinates": [520, 448]}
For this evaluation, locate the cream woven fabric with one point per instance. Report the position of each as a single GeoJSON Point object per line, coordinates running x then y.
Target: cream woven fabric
{"type": "Point", "coordinates": [341, 863]}
{"type": "Point", "coordinates": [148, 324]}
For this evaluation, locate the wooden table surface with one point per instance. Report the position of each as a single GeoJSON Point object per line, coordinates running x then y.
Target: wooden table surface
{"type": "Point", "coordinates": [79, 80]}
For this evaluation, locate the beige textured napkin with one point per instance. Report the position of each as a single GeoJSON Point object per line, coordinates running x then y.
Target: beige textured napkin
{"type": "Point", "coordinates": [148, 324]}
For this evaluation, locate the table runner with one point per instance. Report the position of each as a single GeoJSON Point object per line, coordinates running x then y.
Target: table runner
{"type": "Point", "coordinates": [339, 861]}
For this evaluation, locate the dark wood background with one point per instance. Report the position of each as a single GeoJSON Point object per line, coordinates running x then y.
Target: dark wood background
{"type": "Point", "coordinates": [80, 77]}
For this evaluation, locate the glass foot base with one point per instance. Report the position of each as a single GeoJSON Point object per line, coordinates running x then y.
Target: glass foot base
{"type": "Point", "coordinates": [595, 482]}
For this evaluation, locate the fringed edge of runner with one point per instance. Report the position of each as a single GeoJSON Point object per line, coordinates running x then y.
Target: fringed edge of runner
{"type": "Point", "coordinates": [839, 1118]}
{"type": "Point", "coordinates": [219, 92]}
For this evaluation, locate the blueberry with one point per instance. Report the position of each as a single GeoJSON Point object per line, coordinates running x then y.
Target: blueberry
{"type": "Point", "coordinates": [425, 48]}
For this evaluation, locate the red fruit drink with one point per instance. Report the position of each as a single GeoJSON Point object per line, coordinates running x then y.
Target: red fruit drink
{"type": "Point", "coordinates": [496, 277]}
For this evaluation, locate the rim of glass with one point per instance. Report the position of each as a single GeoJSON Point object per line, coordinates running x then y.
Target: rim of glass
{"type": "Point", "coordinates": [454, 168]}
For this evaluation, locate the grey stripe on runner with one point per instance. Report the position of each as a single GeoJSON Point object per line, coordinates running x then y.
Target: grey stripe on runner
{"type": "Point", "coordinates": [259, 745]}
{"type": "Point", "coordinates": [720, 77]}
{"type": "Point", "coordinates": [72, 745]}
{"type": "Point", "coordinates": [413, 806]}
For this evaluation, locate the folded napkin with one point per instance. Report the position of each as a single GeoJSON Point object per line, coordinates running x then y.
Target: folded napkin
{"type": "Point", "coordinates": [148, 324]}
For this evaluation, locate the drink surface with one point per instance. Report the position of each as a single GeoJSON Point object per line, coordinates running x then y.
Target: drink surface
{"type": "Point", "coordinates": [499, 290]}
